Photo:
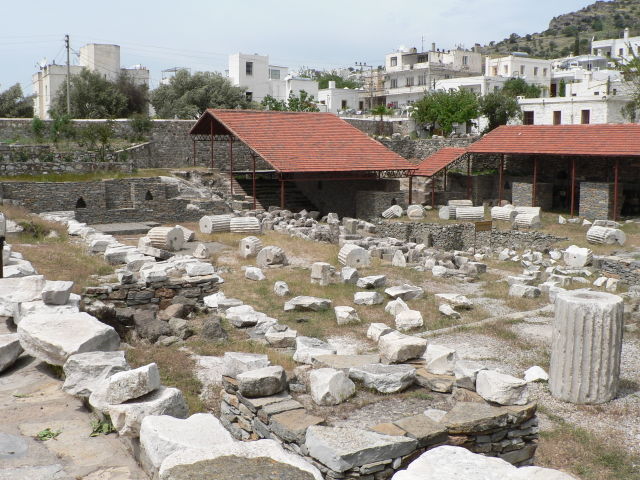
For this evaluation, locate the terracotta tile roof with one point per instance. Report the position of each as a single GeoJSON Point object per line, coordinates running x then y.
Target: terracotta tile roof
{"type": "Point", "coordinates": [439, 160]}
{"type": "Point", "coordinates": [584, 140]}
{"type": "Point", "coordinates": [303, 142]}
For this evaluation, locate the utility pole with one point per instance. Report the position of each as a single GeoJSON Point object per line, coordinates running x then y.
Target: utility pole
{"type": "Point", "coordinates": [362, 65]}
{"type": "Point", "coordinates": [66, 44]}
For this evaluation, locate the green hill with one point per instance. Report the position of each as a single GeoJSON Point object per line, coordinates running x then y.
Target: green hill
{"type": "Point", "coordinates": [574, 31]}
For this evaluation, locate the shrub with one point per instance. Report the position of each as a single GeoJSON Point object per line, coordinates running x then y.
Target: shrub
{"type": "Point", "coordinates": [62, 127]}
{"type": "Point", "coordinates": [38, 127]}
{"type": "Point", "coordinates": [140, 126]}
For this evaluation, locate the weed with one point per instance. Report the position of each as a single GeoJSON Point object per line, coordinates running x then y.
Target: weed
{"type": "Point", "coordinates": [21, 395]}
{"type": "Point", "coordinates": [47, 434]}
{"type": "Point", "coordinates": [101, 427]}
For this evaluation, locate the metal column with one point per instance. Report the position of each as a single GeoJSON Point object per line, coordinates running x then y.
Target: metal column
{"type": "Point", "coordinates": [535, 181]}
{"type": "Point", "coordinates": [469, 187]}
{"type": "Point", "coordinates": [212, 164]}
{"type": "Point", "coordinates": [194, 151]}
{"type": "Point", "coordinates": [573, 185]}
{"type": "Point", "coordinates": [281, 192]}
{"type": "Point", "coordinates": [231, 163]}
{"type": "Point", "coordinates": [501, 181]}
{"type": "Point", "coordinates": [615, 189]}
{"type": "Point", "coordinates": [253, 180]}
{"type": "Point", "coordinates": [433, 191]}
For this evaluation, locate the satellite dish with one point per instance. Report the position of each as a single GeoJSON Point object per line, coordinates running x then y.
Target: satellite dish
{"type": "Point", "coordinates": [42, 63]}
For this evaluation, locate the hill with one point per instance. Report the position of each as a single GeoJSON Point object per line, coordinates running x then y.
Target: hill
{"type": "Point", "coordinates": [574, 31]}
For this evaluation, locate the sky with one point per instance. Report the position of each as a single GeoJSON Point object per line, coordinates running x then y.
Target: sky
{"type": "Point", "coordinates": [200, 34]}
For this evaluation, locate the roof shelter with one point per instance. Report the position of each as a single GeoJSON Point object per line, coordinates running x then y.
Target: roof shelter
{"type": "Point", "coordinates": [619, 142]}
{"type": "Point", "coordinates": [300, 146]}
{"type": "Point", "coordinates": [438, 162]}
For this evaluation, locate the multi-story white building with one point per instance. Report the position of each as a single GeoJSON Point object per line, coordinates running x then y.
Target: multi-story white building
{"type": "Point", "coordinates": [336, 100]}
{"type": "Point", "coordinates": [573, 110]}
{"type": "Point", "coordinates": [101, 58]}
{"type": "Point", "coordinates": [534, 71]}
{"type": "Point", "coordinates": [410, 74]}
{"type": "Point", "coordinates": [261, 79]}
{"type": "Point", "coordinates": [617, 49]}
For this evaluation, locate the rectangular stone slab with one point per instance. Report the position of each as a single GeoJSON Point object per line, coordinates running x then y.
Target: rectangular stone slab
{"type": "Point", "coordinates": [472, 417]}
{"type": "Point", "coordinates": [344, 362]}
{"type": "Point", "coordinates": [423, 429]}
{"type": "Point", "coordinates": [292, 426]}
{"type": "Point", "coordinates": [343, 448]}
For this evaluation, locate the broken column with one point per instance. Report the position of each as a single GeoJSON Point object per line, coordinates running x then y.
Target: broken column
{"type": "Point", "coordinates": [605, 235]}
{"type": "Point", "coordinates": [167, 238]}
{"type": "Point", "coordinates": [215, 223]}
{"type": "Point", "coordinates": [506, 213]}
{"type": "Point", "coordinates": [250, 246]}
{"type": "Point", "coordinates": [244, 225]}
{"type": "Point", "coordinates": [586, 346]}
{"type": "Point", "coordinates": [354, 256]}
{"type": "Point", "coordinates": [470, 214]}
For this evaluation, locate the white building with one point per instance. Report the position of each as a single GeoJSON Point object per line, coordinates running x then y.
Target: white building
{"type": "Point", "coordinates": [534, 71]}
{"type": "Point", "coordinates": [101, 58]}
{"type": "Point", "coordinates": [336, 100]}
{"type": "Point", "coordinates": [261, 79]}
{"type": "Point", "coordinates": [480, 84]}
{"type": "Point", "coordinates": [410, 74]}
{"type": "Point", "coordinates": [573, 110]}
{"type": "Point", "coordinates": [617, 49]}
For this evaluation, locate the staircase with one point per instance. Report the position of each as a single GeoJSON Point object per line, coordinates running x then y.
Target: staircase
{"type": "Point", "coordinates": [268, 194]}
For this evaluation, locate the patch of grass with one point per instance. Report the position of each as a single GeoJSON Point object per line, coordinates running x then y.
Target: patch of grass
{"type": "Point", "coordinates": [47, 434]}
{"type": "Point", "coordinates": [590, 456]}
{"type": "Point", "coordinates": [177, 369]}
{"type": "Point", "coordinates": [86, 177]}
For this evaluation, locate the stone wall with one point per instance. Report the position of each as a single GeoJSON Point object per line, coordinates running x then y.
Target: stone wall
{"type": "Point", "coordinates": [421, 148]}
{"type": "Point", "coordinates": [370, 204]}
{"type": "Point", "coordinates": [627, 270]}
{"type": "Point", "coordinates": [510, 433]}
{"type": "Point", "coordinates": [460, 236]}
{"type": "Point", "coordinates": [12, 169]}
{"type": "Point", "coordinates": [596, 200]}
{"type": "Point", "coordinates": [522, 193]}
{"type": "Point", "coordinates": [119, 200]}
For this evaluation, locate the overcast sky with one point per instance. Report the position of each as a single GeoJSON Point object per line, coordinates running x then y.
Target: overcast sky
{"type": "Point", "coordinates": [200, 34]}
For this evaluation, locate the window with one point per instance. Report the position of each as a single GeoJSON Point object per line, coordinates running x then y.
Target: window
{"type": "Point", "coordinates": [249, 96]}
{"type": "Point", "coordinates": [409, 81]}
{"type": "Point", "coordinates": [521, 69]}
{"type": "Point", "coordinates": [148, 195]}
{"type": "Point", "coordinates": [535, 71]}
{"type": "Point", "coordinates": [423, 58]}
{"type": "Point", "coordinates": [544, 72]}
{"type": "Point", "coordinates": [494, 71]}
{"type": "Point", "coordinates": [465, 60]}
{"type": "Point", "coordinates": [274, 74]}
{"type": "Point", "coordinates": [422, 79]}
{"type": "Point", "coordinates": [621, 52]}
{"type": "Point", "coordinates": [596, 93]}
{"type": "Point", "coordinates": [360, 105]}
{"type": "Point", "coordinates": [81, 203]}
{"type": "Point", "coordinates": [557, 117]}
{"type": "Point", "coordinates": [585, 117]}
{"type": "Point", "coordinates": [394, 61]}
{"type": "Point", "coordinates": [615, 91]}
{"type": "Point", "coordinates": [528, 117]}
{"type": "Point", "coordinates": [394, 83]}
{"type": "Point", "coordinates": [343, 104]}
{"type": "Point", "coordinates": [506, 69]}
{"type": "Point", "coordinates": [248, 68]}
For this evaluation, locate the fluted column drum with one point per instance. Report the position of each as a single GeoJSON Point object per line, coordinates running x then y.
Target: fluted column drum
{"type": "Point", "coordinates": [586, 347]}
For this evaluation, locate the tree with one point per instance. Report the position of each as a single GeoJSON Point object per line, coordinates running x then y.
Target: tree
{"type": "Point", "coordinates": [13, 104]}
{"type": "Point", "coordinates": [301, 103]}
{"type": "Point", "coordinates": [137, 95]}
{"type": "Point", "coordinates": [323, 79]}
{"type": "Point", "coordinates": [499, 108]}
{"type": "Point", "coordinates": [188, 96]}
{"type": "Point", "coordinates": [446, 108]}
{"type": "Point", "coordinates": [631, 74]}
{"type": "Point", "coordinates": [92, 96]}
{"type": "Point", "coordinates": [518, 87]}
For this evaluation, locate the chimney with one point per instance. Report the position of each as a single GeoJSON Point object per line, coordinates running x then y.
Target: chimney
{"type": "Point", "coordinates": [332, 84]}
{"type": "Point", "coordinates": [433, 47]}
{"type": "Point", "coordinates": [626, 34]}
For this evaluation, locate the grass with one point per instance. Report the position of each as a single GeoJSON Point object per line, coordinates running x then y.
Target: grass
{"type": "Point", "coordinates": [177, 369]}
{"type": "Point", "coordinates": [47, 434]}
{"type": "Point", "coordinates": [590, 456]}
{"type": "Point", "coordinates": [55, 258]}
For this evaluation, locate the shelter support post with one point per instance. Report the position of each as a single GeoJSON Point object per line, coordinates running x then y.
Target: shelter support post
{"type": "Point", "coordinates": [573, 185]}
{"type": "Point", "coordinates": [469, 185]}
{"type": "Point", "coordinates": [212, 164]}
{"type": "Point", "coordinates": [535, 182]}
{"type": "Point", "coordinates": [433, 192]}
{"type": "Point", "coordinates": [253, 180]}
{"type": "Point", "coordinates": [500, 181]}
{"type": "Point", "coordinates": [445, 179]}
{"type": "Point", "coordinates": [410, 189]}
{"type": "Point", "coordinates": [281, 192]}
{"type": "Point", "coordinates": [194, 151]}
{"type": "Point", "coordinates": [616, 169]}
{"type": "Point", "coordinates": [231, 163]}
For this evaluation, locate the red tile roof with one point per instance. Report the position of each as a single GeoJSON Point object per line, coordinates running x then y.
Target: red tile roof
{"type": "Point", "coordinates": [584, 140]}
{"type": "Point", "coordinates": [439, 160]}
{"type": "Point", "coordinates": [302, 141]}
